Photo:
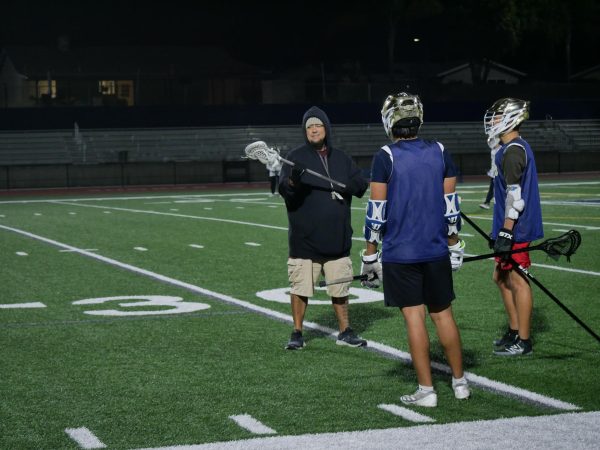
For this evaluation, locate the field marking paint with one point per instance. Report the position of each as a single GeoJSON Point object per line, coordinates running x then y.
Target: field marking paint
{"type": "Point", "coordinates": [272, 227]}
{"type": "Point", "coordinates": [406, 413]}
{"type": "Point", "coordinates": [84, 438]}
{"type": "Point", "coordinates": [185, 216]}
{"type": "Point", "coordinates": [357, 295]}
{"type": "Point", "coordinates": [249, 423]}
{"type": "Point", "coordinates": [86, 249]}
{"type": "Point", "coordinates": [575, 431]}
{"type": "Point", "coordinates": [21, 254]}
{"type": "Point", "coordinates": [253, 244]}
{"type": "Point", "coordinates": [196, 246]}
{"type": "Point", "coordinates": [22, 305]}
{"type": "Point", "coordinates": [475, 380]}
{"type": "Point", "coordinates": [140, 249]}
{"type": "Point", "coordinates": [238, 194]}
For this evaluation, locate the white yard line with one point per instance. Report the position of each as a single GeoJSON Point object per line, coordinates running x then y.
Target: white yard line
{"type": "Point", "coordinates": [247, 422]}
{"type": "Point", "coordinates": [405, 413]}
{"type": "Point", "coordinates": [22, 305]}
{"type": "Point", "coordinates": [84, 438]}
{"type": "Point", "coordinates": [476, 380]}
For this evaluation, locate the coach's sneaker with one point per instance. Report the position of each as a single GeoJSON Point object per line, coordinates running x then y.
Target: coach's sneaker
{"type": "Point", "coordinates": [461, 388]}
{"type": "Point", "coordinates": [421, 398]}
{"type": "Point", "coordinates": [484, 205]}
{"type": "Point", "coordinates": [347, 337]}
{"type": "Point", "coordinates": [509, 338]}
{"type": "Point", "coordinates": [521, 347]}
{"type": "Point", "coordinates": [296, 341]}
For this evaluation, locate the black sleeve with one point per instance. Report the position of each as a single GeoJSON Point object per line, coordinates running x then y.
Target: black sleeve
{"type": "Point", "coordinates": [513, 164]}
{"type": "Point", "coordinates": [357, 184]}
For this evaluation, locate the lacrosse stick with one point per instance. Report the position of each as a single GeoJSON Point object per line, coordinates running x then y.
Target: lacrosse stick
{"type": "Point", "coordinates": [563, 245]}
{"type": "Point", "coordinates": [260, 151]}
{"type": "Point", "coordinates": [526, 273]}
{"type": "Point", "coordinates": [324, 283]}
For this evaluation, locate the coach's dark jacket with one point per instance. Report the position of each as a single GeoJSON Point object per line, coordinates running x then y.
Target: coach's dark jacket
{"type": "Point", "coordinates": [319, 227]}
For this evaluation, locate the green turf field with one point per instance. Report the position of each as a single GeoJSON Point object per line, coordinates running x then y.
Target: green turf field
{"type": "Point", "coordinates": [151, 319]}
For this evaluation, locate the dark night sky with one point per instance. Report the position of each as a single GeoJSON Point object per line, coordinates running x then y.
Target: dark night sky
{"type": "Point", "coordinates": [284, 33]}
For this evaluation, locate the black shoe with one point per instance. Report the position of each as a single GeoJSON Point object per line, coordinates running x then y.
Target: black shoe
{"type": "Point", "coordinates": [519, 348]}
{"type": "Point", "coordinates": [509, 338]}
{"type": "Point", "coordinates": [347, 337]}
{"type": "Point", "coordinates": [296, 341]}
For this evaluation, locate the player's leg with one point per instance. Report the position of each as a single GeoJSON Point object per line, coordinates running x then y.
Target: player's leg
{"type": "Point", "coordinates": [503, 281]}
{"type": "Point", "coordinates": [418, 342]}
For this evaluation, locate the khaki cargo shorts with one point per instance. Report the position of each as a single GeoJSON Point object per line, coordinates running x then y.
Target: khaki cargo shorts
{"type": "Point", "coordinates": [304, 275]}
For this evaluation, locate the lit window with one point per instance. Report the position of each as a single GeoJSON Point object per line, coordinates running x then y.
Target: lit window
{"type": "Point", "coordinates": [107, 87]}
{"type": "Point", "coordinates": [44, 88]}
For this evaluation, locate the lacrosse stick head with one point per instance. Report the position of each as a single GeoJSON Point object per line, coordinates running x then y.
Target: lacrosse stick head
{"type": "Point", "coordinates": [563, 245]}
{"type": "Point", "coordinates": [260, 151]}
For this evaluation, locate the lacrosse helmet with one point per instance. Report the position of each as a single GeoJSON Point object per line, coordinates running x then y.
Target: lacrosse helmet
{"type": "Point", "coordinates": [504, 116]}
{"type": "Point", "coordinates": [404, 108]}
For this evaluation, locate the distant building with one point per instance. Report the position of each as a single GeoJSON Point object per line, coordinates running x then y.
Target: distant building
{"type": "Point", "coordinates": [131, 75]}
{"type": "Point", "coordinates": [487, 72]}
{"type": "Point", "coordinates": [590, 74]}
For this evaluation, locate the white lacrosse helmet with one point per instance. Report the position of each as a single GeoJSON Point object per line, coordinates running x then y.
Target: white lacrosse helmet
{"type": "Point", "coordinates": [504, 115]}
{"type": "Point", "coordinates": [399, 107]}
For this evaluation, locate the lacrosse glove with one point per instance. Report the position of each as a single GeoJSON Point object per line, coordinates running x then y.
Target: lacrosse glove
{"type": "Point", "coordinates": [504, 242]}
{"type": "Point", "coordinates": [371, 266]}
{"type": "Point", "coordinates": [296, 173]}
{"type": "Point", "coordinates": [457, 252]}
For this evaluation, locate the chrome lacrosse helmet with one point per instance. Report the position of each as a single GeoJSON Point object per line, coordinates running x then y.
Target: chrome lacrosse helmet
{"type": "Point", "coordinates": [504, 115]}
{"type": "Point", "coordinates": [401, 107]}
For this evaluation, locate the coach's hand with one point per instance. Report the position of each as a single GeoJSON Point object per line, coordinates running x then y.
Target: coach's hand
{"type": "Point", "coordinates": [371, 267]}
{"type": "Point", "coordinates": [504, 242]}
{"type": "Point", "coordinates": [296, 174]}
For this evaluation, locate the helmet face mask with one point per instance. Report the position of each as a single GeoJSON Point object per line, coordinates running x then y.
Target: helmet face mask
{"type": "Point", "coordinates": [401, 106]}
{"type": "Point", "coordinates": [504, 116]}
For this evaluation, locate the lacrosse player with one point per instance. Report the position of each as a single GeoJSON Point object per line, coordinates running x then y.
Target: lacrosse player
{"type": "Point", "coordinates": [517, 220]}
{"type": "Point", "coordinates": [414, 212]}
{"type": "Point", "coordinates": [320, 234]}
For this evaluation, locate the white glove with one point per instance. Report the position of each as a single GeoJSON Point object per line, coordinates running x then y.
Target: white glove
{"type": "Point", "coordinates": [371, 266]}
{"type": "Point", "coordinates": [457, 252]}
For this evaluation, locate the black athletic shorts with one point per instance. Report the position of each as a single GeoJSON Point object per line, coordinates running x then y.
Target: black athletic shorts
{"type": "Point", "coordinates": [428, 283]}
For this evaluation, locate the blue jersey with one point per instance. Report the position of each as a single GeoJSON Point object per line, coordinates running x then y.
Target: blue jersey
{"type": "Point", "coordinates": [529, 225]}
{"type": "Point", "coordinates": [414, 171]}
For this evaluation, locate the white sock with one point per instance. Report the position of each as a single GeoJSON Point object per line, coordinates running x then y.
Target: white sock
{"type": "Point", "coordinates": [460, 380]}
{"type": "Point", "coordinates": [426, 388]}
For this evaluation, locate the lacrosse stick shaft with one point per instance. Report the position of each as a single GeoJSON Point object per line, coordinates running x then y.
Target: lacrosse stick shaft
{"type": "Point", "coordinates": [491, 255]}
{"type": "Point", "coordinates": [316, 174]}
{"type": "Point", "coordinates": [525, 273]}
{"type": "Point", "coordinates": [342, 280]}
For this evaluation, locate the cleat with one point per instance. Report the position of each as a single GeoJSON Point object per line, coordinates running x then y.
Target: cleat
{"type": "Point", "coordinates": [484, 205]}
{"type": "Point", "coordinates": [461, 390]}
{"type": "Point", "coordinates": [296, 341]}
{"type": "Point", "coordinates": [347, 337]}
{"type": "Point", "coordinates": [509, 338]}
{"type": "Point", "coordinates": [519, 348]}
{"type": "Point", "coordinates": [427, 399]}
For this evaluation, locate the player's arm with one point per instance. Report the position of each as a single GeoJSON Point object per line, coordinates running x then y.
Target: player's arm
{"type": "Point", "coordinates": [456, 246]}
{"type": "Point", "coordinates": [513, 166]}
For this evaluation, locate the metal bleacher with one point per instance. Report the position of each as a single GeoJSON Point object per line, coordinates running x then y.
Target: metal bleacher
{"type": "Point", "coordinates": [227, 143]}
